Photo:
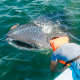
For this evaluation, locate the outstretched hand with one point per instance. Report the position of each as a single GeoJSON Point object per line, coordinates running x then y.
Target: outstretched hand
{"type": "Point", "coordinates": [14, 26]}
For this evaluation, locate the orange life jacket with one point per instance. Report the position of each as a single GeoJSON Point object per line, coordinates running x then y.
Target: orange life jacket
{"type": "Point", "coordinates": [55, 43]}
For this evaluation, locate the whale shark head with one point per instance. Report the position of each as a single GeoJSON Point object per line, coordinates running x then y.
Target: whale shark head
{"type": "Point", "coordinates": [30, 37]}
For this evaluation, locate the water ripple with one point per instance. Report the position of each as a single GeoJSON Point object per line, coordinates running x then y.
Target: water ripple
{"type": "Point", "coordinates": [18, 64]}
{"type": "Point", "coordinates": [74, 37]}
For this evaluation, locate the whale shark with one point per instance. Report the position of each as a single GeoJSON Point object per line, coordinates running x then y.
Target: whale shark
{"type": "Point", "coordinates": [35, 35]}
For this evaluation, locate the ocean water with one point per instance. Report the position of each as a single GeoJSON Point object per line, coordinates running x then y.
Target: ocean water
{"type": "Point", "coordinates": [18, 64]}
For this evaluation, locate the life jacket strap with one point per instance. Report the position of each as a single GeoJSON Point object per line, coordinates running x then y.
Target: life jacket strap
{"type": "Point", "coordinates": [72, 60]}
{"type": "Point", "coordinates": [64, 62]}
{"type": "Point", "coordinates": [68, 62]}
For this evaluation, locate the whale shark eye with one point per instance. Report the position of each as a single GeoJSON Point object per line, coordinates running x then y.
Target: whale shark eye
{"type": "Point", "coordinates": [23, 44]}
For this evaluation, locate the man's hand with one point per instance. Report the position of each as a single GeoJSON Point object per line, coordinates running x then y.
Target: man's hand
{"type": "Point", "coordinates": [53, 65]}
{"type": "Point", "coordinates": [14, 26]}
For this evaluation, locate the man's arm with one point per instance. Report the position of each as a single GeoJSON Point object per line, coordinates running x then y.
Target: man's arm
{"type": "Point", "coordinates": [53, 65]}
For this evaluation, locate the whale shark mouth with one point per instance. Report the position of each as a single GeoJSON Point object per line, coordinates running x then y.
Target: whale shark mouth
{"type": "Point", "coordinates": [21, 44]}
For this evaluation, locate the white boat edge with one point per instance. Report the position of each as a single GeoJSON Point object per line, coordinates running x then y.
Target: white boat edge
{"type": "Point", "coordinates": [65, 75]}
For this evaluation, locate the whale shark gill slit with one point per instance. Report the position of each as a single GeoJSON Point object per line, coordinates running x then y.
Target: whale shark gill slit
{"type": "Point", "coordinates": [23, 44]}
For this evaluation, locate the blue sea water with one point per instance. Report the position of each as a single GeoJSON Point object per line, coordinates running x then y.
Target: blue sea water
{"type": "Point", "coordinates": [17, 64]}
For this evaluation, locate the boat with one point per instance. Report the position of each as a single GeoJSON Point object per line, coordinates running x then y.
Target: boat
{"type": "Point", "coordinates": [68, 74]}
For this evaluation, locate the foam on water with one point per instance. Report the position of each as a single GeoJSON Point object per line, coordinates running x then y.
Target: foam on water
{"type": "Point", "coordinates": [47, 25]}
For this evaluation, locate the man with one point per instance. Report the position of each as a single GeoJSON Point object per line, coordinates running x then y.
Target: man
{"type": "Point", "coordinates": [65, 51]}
